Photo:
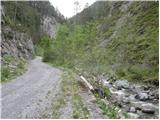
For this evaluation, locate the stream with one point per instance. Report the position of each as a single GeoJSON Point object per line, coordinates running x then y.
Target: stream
{"type": "Point", "coordinates": [138, 101]}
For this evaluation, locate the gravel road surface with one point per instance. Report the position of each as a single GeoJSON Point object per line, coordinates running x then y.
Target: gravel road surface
{"type": "Point", "coordinates": [29, 95]}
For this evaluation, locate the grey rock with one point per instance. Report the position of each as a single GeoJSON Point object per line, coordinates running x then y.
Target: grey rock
{"type": "Point", "coordinates": [142, 96]}
{"type": "Point", "coordinates": [146, 87]}
{"type": "Point", "coordinates": [133, 109]}
{"type": "Point", "coordinates": [125, 107]}
{"type": "Point", "coordinates": [120, 114]}
{"type": "Point", "coordinates": [126, 95]}
{"type": "Point", "coordinates": [16, 44]}
{"type": "Point", "coordinates": [151, 97]}
{"type": "Point", "coordinates": [138, 88]}
{"type": "Point", "coordinates": [49, 26]}
{"type": "Point", "coordinates": [126, 100]}
{"type": "Point", "coordinates": [132, 98]}
{"type": "Point", "coordinates": [119, 84]}
{"type": "Point", "coordinates": [155, 93]}
{"type": "Point", "coordinates": [137, 105]}
{"type": "Point", "coordinates": [133, 115]}
{"type": "Point", "coordinates": [148, 108]}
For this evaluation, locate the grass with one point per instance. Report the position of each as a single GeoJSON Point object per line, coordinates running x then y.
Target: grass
{"type": "Point", "coordinates": [9, 70]}
{"type": "Point", "coordinates": [59, 103]}
{"type": "Point", "coordinates": [69, 89]}
{"type": "Point", "coordinates": [79, 110]}
{"type": "Point", "coordinates": [126, 115]}
{"type": "Point", "coordinates": [108, 110]}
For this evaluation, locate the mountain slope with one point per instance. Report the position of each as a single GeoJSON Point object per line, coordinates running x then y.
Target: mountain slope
{"type": "Point", "coordinates": [121, 41]}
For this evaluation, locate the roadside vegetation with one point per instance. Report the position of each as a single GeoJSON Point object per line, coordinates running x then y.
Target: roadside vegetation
{"type": "Point", "coordinates": [69, 93]}
{"type": "Point", "coordinates": [13, 68]}
{"type": "Point", "coordinates": [126, 48]}
{"type": "Point", "coordinates": [109, 110]}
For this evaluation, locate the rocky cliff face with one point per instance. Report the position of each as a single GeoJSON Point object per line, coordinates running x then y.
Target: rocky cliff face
{"type": "Point", "coordinates": [49, 26]}
{"type": "Point", "coordinates": [23, 24]}
{"type": "Point", "coordinates": [16, 44]}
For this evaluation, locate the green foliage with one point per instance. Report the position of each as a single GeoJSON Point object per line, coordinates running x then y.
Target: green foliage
{"type": "Point", "coordinates": [111, 112]}
{"type": "Point", "coordinates": [5, 74]}
{"type": "Point", "coordinates": [124, 45]}
{"type": "Point", "coordinates": [9, 70]}
{"type": "Point", "coordinates": [71, 44]}
{"type": "Point", "coordinates": [106, 91]}
{"type": "Point", "coordinates": [69, 92]}
{"type": "Point", "coordinates": [126, 115]}
{"type": "Point", "coordinates": [79, 111]}
{"type": "Point", "coordinates": [39, 50]}
{"type": "Point", "coordinates": [58, 104]}
{"type": "Point", "coordinates": [43, 46]}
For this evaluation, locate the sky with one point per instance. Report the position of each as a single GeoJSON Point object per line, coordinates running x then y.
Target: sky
{"type": "Point", "coordinates": [66, 7]}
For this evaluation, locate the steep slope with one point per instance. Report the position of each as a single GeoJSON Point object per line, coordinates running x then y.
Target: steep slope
{"type": "Point", "coordinates": [121, 41]}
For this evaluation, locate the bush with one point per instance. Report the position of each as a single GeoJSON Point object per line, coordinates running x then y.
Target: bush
{"type": "Point", "coordinates": [12, 67]}
{"type": "Point", "coordinates": [5, 75]}
{"type": "Point", "coordinates": [136, 73]}
{"type": "Point", "coordinates": [43, 45]}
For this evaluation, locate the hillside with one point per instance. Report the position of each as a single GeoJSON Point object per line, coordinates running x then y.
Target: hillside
{"type": "Point", "coordinates": [121, 39]}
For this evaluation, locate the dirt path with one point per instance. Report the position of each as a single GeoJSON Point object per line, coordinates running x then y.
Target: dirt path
{"type": "Point", "coordinates": [30, 94]}
{"type": "Point", "coordinates": [44, 92]}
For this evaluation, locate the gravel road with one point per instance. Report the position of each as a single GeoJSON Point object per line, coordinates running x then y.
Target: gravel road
{"type": "Point", "coordinates": [29, 95]}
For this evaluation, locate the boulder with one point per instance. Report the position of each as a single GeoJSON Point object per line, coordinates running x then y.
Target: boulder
{"type": "Point", "coordinates": [148, 108]}
{"type": "Point", "coordinates": [119, 84]}
{"type": "Point", "coordinates": [154, 94]}
{"type": "Point", "coordinates": [132, 109]}
{"type": "Point", "coordinates": [132, 97]}
{"type": "Point", "coordinates": [125, 100]}
{"type": "Point", "coordinates": [151, 97]}
{"type": "Point", "coordinates": [138, 88]}
{"type": "Point", "coordinates": [137, 104]}
{"type": "Point", "coordinates": [142, 96]}
{"type": "Point", "coordinates": [133, 115]}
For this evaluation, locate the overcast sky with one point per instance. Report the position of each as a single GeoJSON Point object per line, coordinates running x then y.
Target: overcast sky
{"type": "Point", "coordinates": [66, 7]}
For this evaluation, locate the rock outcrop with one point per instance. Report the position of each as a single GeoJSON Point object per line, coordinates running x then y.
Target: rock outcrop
{"type": "Point", "coordinates": [24, 23]}
{"type": "Point", "coordinates": [49, 26]}
{"type": "Point", "coordinates": [16, 44]}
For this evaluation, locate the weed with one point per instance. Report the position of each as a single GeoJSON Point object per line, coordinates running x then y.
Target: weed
{"type": "Point", "coordinates": [109, 111]}
{"type": "Point", "coordinates": [9, 70]}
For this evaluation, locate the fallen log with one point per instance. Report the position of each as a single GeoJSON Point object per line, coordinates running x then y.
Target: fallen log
{"type": "Point", "coordinates": [87, 83]}
{"type": "Point", "coordinates": [98, 91]}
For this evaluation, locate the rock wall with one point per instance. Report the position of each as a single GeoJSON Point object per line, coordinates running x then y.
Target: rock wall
{"type": "Point", "coordinates": [22, 28]}
{"type": "Point", "coordinates": [48, 26]}
{"type": "Point", "coordinates": [16, 44]}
